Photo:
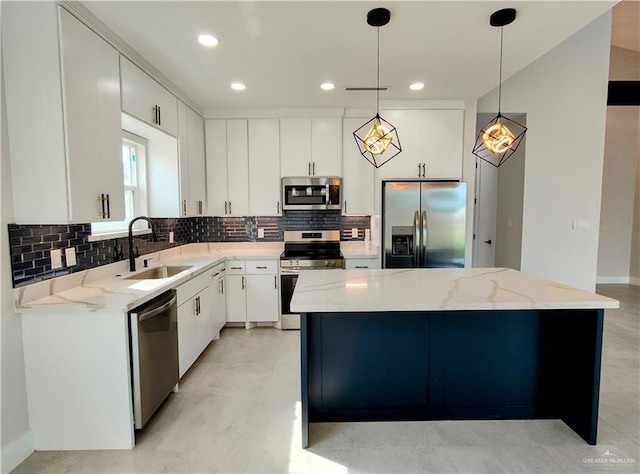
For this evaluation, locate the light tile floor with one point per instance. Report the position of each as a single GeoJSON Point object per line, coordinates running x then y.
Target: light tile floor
{"type": "Point", "coordinates": [238, 411]}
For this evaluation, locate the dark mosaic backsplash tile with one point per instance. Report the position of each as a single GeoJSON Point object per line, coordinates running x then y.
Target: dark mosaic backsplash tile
{"type": "Point", "coordinates": [31, 245]}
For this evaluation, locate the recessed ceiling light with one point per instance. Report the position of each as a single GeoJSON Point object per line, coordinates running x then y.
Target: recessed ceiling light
{"type": "Point", "coordinates": [416, 86]}
{"type": "Point", "coordinates": [327, 86]}
{"type": "Point", "coordinates": [238, 86]}
{"type": "Point", "coordinates": [208, 40]}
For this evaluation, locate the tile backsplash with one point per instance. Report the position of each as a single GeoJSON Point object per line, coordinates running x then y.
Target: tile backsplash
{"type": "Point", "coordinates": [31, 245]}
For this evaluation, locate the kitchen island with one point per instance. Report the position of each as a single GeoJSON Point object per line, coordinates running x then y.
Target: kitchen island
{"type": "Point", "coordinates": [434, 344]}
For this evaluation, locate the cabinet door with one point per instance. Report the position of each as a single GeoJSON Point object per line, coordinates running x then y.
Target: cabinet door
{"type": "Point", "coordinates": [326, 146]}
{"type": "Point", "coordinates": [237, 168]}
{"type": "Point", "coordinates": [220, 317]}
{"type": "Point", "coordinates": [216, 158]}
{"type": "Point", "coordinates": [183, 157]}
{"type": "Point", "coordinates": [442, 137]}
{"type": "Point", "coordinates": [236, 298]}
{"type": "Point", "coordinates": [197, 176]}
{"type": "Point", "coordinates": [408, 124]}
{"type": "Point", "coordinates": [357, 174]}
{"type": "Point", "coordinates": [262, 298]}
{"type": "Point", "coordinates": [295, 146]}
{"type": "Point", "coordinates": [142, 95]}
{"type": "Point", "coordinates": [264, 167]}
{"type": "Point", "coordinates": [189, 334]}
{"type": "Point", "coordinates": [92, 109]}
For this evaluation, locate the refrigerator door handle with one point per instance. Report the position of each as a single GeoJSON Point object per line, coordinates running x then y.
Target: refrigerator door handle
{"type": "Point", "coordinates": [416, 239]}
{"type": "Point", "coordinates": [424, 238]}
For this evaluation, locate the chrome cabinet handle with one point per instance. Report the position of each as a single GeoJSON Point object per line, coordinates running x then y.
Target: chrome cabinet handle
{"type": "Point", "coordinates": [225, 207]}
{"type": "Point", "coordinates": [229, 207]}
{"type": "Point", "coordinates": [221, 286]}
{"type": "Point", "coordinates": [309, 168]}
{"type": "Point", "coordinates": [236, 268]}
{"type": "Point", "coordinates": [313, 167]}
{"type": "Point", "coordinates": [261, 267]}
{"type": "Point", "coordinates": [345, 207]}
{"type": "Point", "coordinates": [277, 207]}
{"type": "Point", "coordinates": [243, 283]}
{"type": "Point", "coordinates": [159, 116]}
{"type": "Point", "coordinates": [184, 207]}
{"type": "Point", "coordinates": [275, 282]}
{"type": "Point", "coordinates": [155, 114]}
{"type": "Point", "coordinates": [200, 207]}
{"type": "Point", "coordinates": [361, 266]}
{"type": "Point", "coordinates": [423, 170]}
{"type": "Point", "coordinates": [108, 207]}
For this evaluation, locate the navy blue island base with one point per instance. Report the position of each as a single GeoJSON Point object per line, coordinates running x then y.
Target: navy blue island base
{"type": "Point", "coordinates": [452, 365]}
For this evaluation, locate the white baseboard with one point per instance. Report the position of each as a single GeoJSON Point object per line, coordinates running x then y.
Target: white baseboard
{"type": "Point", "coordinates": [616, 280]}
{"type": "Point", "coordinates": [17, 451]}
{"type": "Point", "coordinates": [634, 281]}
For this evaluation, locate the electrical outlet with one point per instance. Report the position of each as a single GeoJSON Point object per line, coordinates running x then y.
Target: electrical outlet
{"type": "Point", "coordinates": [56, 259]}
{"type": "Point", "coordinates": [261, 232]}
{"type": "Point", "coordinates": [70, 256]}
{"type": "Point", "coordinates": [170, 237]}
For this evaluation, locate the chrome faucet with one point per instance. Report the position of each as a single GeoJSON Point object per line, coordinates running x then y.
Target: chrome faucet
{"type": "Point", "coordinates": [132, 256]}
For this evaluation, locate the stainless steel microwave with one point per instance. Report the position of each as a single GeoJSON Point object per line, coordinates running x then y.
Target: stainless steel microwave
{"type": "Point", "coordinates": [307, 193]}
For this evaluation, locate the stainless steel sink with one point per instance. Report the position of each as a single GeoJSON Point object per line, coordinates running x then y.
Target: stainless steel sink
{"type": "Point", "coordinates": [157, 273]}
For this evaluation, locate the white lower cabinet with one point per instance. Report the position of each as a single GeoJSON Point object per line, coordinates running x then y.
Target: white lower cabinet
{"type": "Point", "coordinates": [218, 306]}
{"type": "Point", "coordinates": [253, 291]}
{"type": "Point", "coordinates": [361, 263]}
{"type": "Point", "coordinates": [195, 327]}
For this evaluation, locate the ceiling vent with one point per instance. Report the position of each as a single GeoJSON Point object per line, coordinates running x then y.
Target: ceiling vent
{"type": "Point", "coordinates": [366, 88]}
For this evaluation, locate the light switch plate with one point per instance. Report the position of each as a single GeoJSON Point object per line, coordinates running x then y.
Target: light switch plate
{"type": "Point", "coordinates": [354, 233]}
{"type": "Point", "coordinates": [70, 256]}
{"type": "Point", "coordinates": [170, 237]}
{"type": "Point", "coordinates": [56, 259]}
{"type": "Point", "coordinates": [261, 232]}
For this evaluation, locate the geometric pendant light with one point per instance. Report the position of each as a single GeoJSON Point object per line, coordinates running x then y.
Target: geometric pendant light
{"type": "Point", "coordinates": [499, 138]}
{"type": "Point", "coordinates": [377, 139]}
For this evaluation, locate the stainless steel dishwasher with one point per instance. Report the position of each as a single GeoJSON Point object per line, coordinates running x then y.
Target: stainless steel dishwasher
{"type": "Point", "coordinates": [154, 354]}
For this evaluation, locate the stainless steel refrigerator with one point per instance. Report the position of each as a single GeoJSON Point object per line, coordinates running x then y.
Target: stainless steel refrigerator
{"type": "Point", "coordinates": [423, 224]}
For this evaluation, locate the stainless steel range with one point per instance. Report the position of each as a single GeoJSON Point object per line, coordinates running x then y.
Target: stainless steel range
{"type": "Point", "coordinates": [305, 250]}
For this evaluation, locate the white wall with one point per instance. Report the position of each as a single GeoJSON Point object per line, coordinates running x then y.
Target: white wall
{"type": "Point", "coordinates": [619, 246]}
{"type": "Point", "coordinates": [510, 206]}
{"type": "Point", "coordinates": [564, 96]}
{"type": "Point", "coordinates": [16, 439]}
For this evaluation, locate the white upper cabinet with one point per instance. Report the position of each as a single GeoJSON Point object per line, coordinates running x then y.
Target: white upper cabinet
{"type": "Point", "coordinates": [310, 146]}
{"type": "Point", "coordinates": [192, 162]}
{"type": "Point", "coordinates": [406, 164]}
{"type": "Point", "coordinates": [227, 167]}
{"type": "Point", "coordinates": [431, 143]}
{"type": "Point", "coordinates": [264, 167]}
{"type": "Point", "coordinates": [442, 139]}
{"type": "Point", "coordinates": [68, 143]}
{"type": "Point", "coordinates": [146, 99]}
{"type": "Point", "coordinates": [326, 146]}
{"type": "Point", "coordinates": [357, 174]}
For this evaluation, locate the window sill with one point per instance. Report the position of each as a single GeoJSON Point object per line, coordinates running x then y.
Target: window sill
{"type": "Point", "coordinates": [116, 235]}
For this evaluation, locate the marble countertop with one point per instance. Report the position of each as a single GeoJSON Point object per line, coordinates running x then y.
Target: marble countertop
{"type": "Point", "coordinates": [446, 289]}
{"type": "Point", "coordinates": [358, 249]}
{"type": "Point", "coordinates": [107, 289]}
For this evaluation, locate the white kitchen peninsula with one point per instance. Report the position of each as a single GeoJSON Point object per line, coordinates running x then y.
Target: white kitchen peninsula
{"type": "Point", "coordinates": [76, 343]}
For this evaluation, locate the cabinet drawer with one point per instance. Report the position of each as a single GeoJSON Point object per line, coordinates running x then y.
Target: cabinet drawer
{"type": "Point", "coordinates": [235, 267]}
{"type": "Point", "coordinates": [192, 287]}
{"type": "Point", "coordinates": [259, 267]}
{"type": "Point", "coordinates": [361, 263]}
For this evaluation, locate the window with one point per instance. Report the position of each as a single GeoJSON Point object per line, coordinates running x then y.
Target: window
{"type": "Point", "coordinates": [135, 195]}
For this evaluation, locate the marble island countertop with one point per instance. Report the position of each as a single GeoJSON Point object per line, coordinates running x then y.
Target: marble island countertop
{"type": "Point", "coordinates": [447, 289]}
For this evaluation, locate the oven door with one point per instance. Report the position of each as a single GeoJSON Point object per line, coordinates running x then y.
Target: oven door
{"type": "Point", "coordinates": [288, 280]}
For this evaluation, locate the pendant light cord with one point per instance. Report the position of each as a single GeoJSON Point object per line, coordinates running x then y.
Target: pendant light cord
{"type": "Point", "coordinates": [378, 75]}
{"type": "Point", "coordinates": [500, 80]}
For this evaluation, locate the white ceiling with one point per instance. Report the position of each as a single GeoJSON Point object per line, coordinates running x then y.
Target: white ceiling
{"type": "Point", "coordinates": [284, 50]}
